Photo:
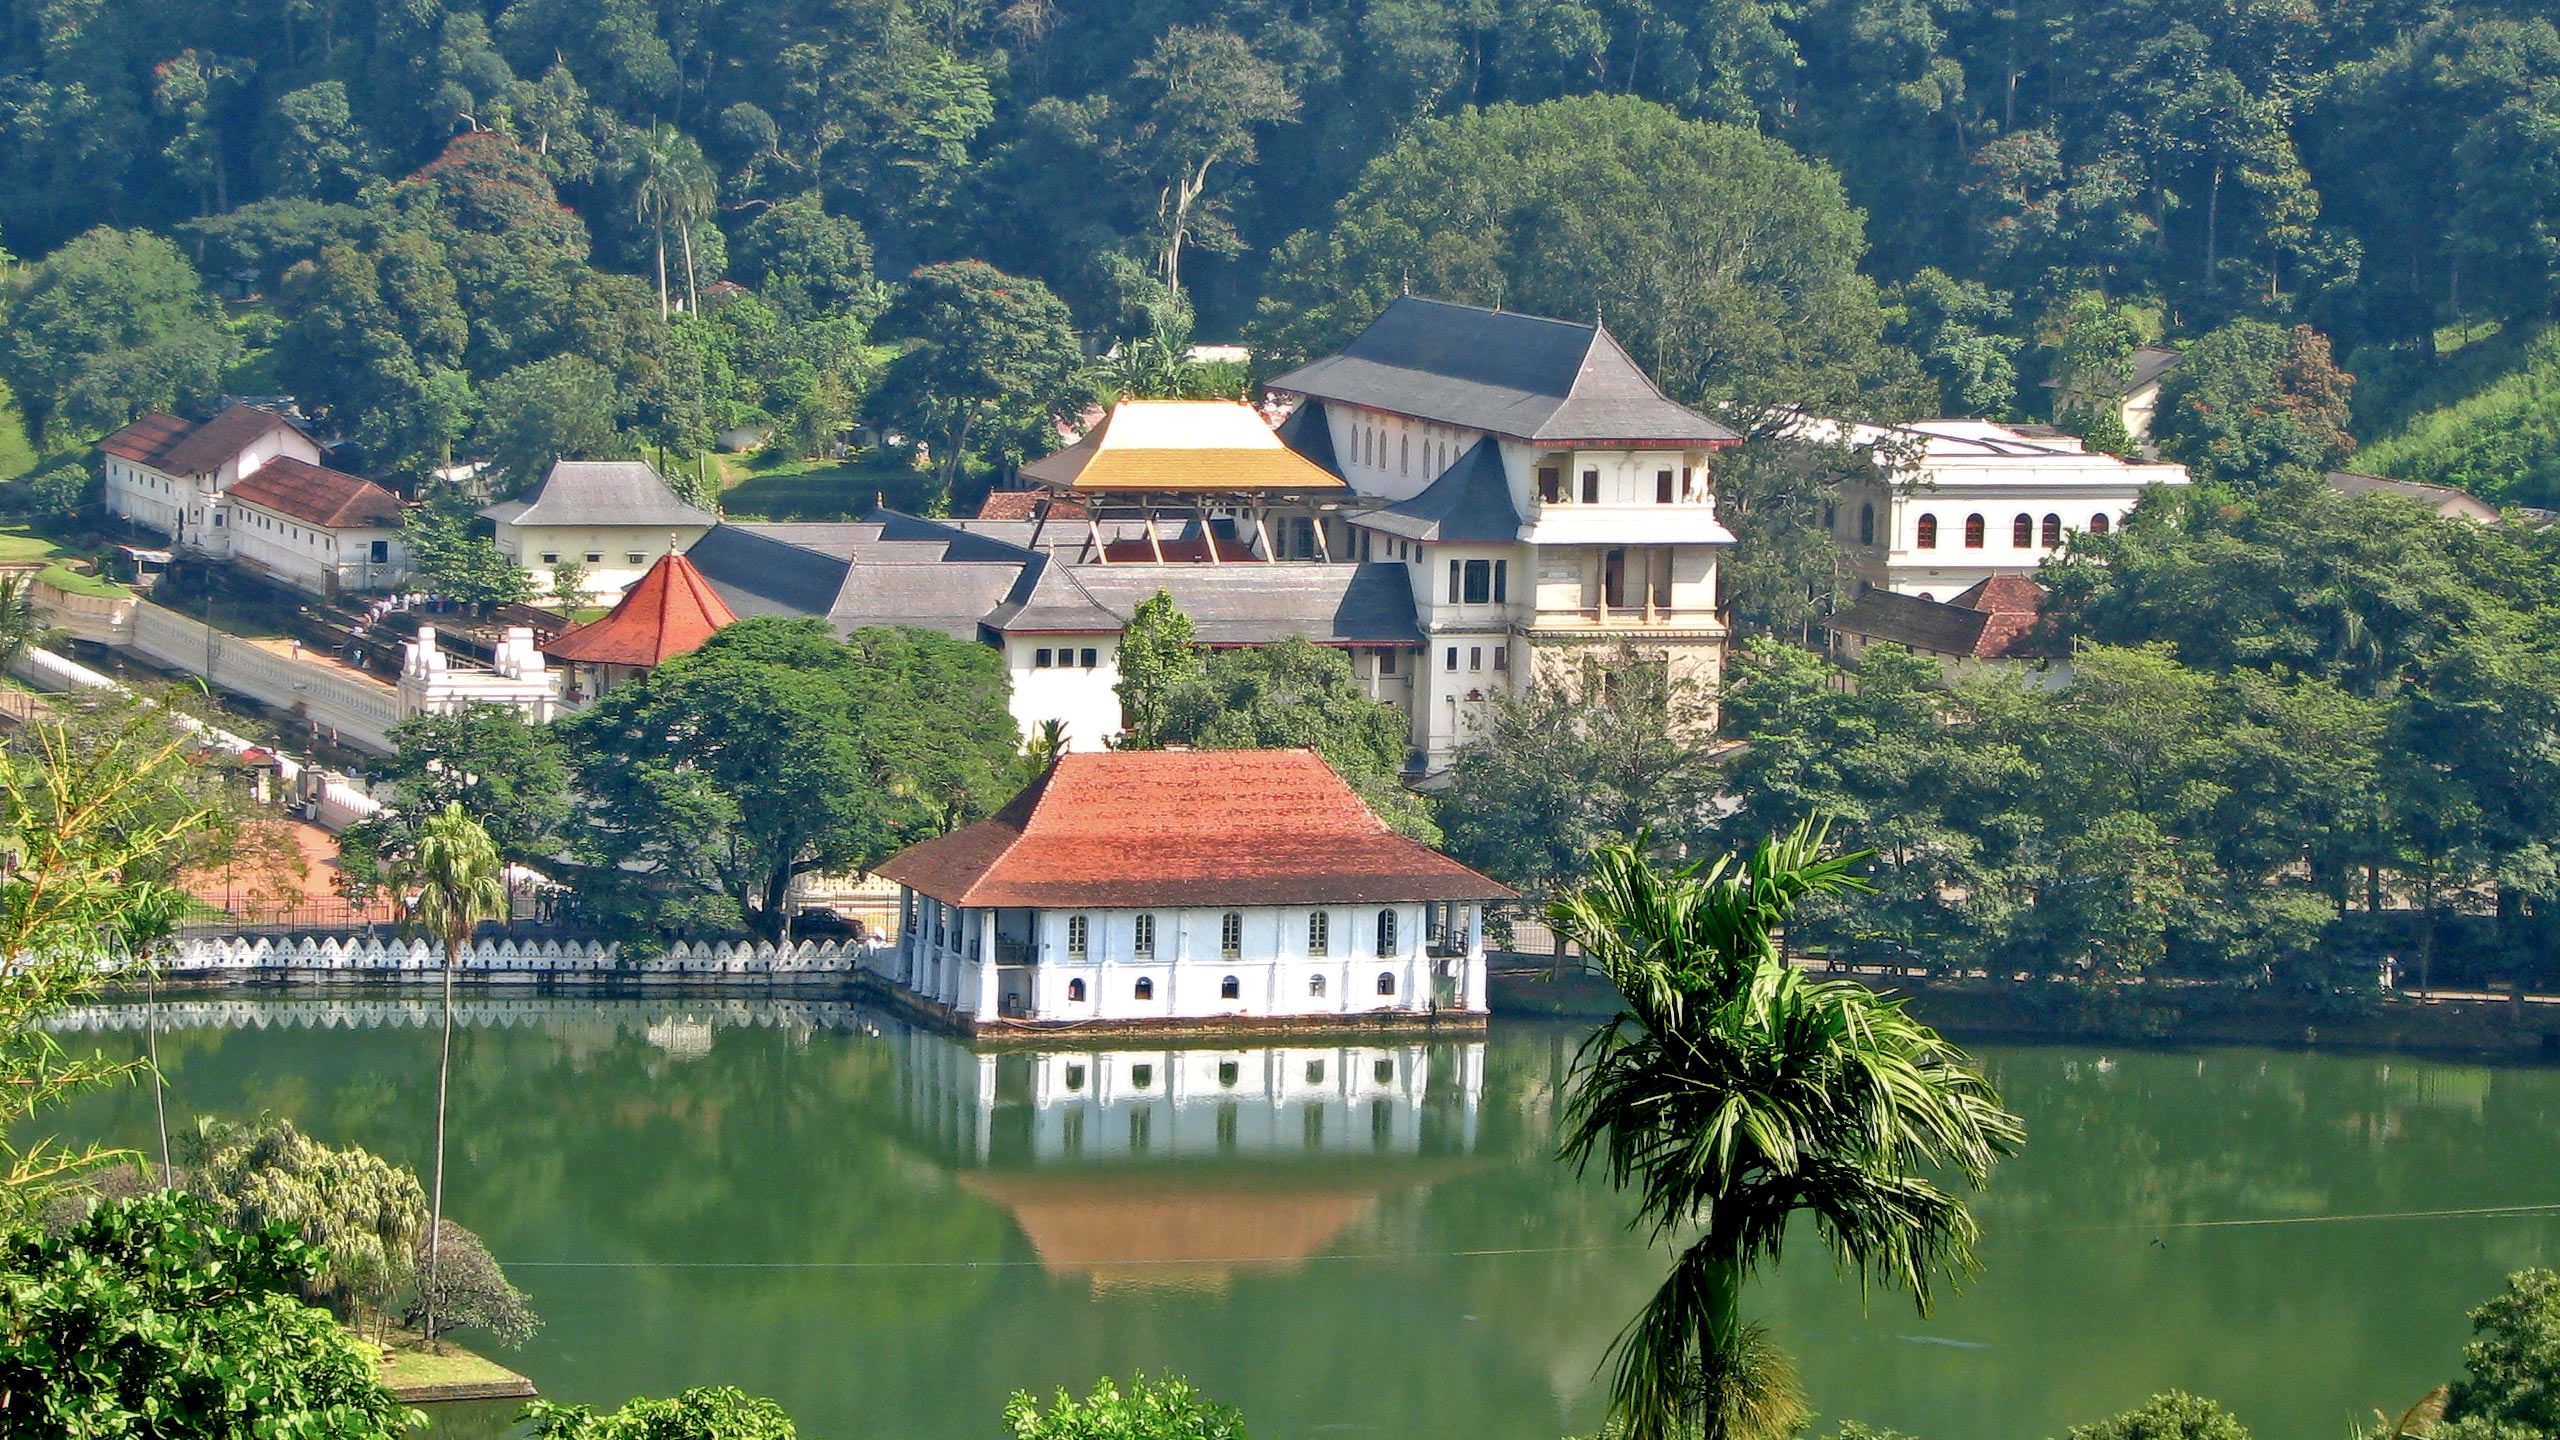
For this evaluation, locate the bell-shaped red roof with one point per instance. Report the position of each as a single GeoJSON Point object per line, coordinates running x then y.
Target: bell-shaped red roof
{"type": "Point", "coordinates": [670, 611]}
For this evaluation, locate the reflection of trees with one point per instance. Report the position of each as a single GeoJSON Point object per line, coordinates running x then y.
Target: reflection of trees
{"type": "Point", "coordinates": [584, 1141]}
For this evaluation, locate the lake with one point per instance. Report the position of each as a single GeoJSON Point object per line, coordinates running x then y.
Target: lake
{"type": "Point", "coordinates": [889, 1231]}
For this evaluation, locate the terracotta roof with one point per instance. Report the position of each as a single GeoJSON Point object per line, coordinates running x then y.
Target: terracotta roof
{"type": "Point", "coordinates": [668, 612]}
{"type": "Point", "coordinates": [147, 439]}
{"type": "Point", "coordinates": [1549, 381]}
{"type": "Point", "coordinates": [204, 448]}
{"type": "Point", "coordinates": [1180, 445]}
{"type": "Point", "coordinates": [1122, 828]}
{"type": "Point", "coordinates": [318, 495]}
{"type": "Point", "coordinates": [1995, 620]}
{"type": "Point", "coordinates": [1025, 505]}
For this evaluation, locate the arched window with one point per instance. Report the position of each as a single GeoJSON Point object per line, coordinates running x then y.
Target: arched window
{"type": "Point", "coordinates": [1386, 982]}
{"type": "Point", "coordinates": [1146, 987]}
{"type": "Point", "coordinates": [1075, 992]}
{"type": "Point", "coordinates": [2053, 532]}
{"type": "Point", "coordinates": [1075, 1077]}
{"type": "Point", "coordinates": [1227, 1073]}
{"type": "Point", "coordinates": [1315, 986]}
{"type": "Point", "coordinates": [1386, 932]}
{"type": "Point", "coordinates": [1229, 988]}
{"type": "Point", "coordinates": [1230, 935]}
{"type": "Point", "coordinates": [1319, 932]}
{"type": "Point", "coordinates": [2098, 523]}
{"type": "Point", "coordinates": [1866, 524]}
{"type": "Point", "coordinates": [1973, 532]}
{"type": "Point", "coordinates": [2022, 531]}
{"type": "Point", "coordinates": [1927, 536]}
{"type": "Point", "coordinates": [1079, 932]}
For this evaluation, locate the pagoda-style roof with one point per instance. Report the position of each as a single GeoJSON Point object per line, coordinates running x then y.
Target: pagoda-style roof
{"type": "Point", "coordinates": [1185, 447]}
{"type": "Point", "coordinates": [1127, 828]}
{"type": "Point", "coordinates": [1469, 504]}
{"type": "Point", "coordinates": [670, 611]}
{"type": "Point", "coordinates": [1549, 382]}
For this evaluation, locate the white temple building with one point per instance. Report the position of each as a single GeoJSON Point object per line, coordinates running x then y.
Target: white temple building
{"type": "Point", "coordinates": [1134, 888]}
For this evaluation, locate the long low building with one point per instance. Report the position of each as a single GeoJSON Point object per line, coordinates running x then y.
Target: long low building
{"type": "Point", "coordinates": [1156, 887]}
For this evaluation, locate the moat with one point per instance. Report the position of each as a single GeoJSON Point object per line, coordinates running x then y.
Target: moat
{"type": "Point", "coordinates": [889, 1231]}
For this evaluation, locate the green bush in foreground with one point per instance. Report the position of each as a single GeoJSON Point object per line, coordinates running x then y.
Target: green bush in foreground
{"type": "Point", "coordinates": [148, 1319]}
{"type": "Point", "coordinates": [711, 1412]}
{"type": "Point", "coordinates": [1162, 1409]}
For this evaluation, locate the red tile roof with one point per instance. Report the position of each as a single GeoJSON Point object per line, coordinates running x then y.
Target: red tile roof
{"type": "Point", "coordinates": [1025, 505]}
{"type": "Point", "coordinates": [1121, 828]}
{"type": "Point", "coordinates": [318, 495]}
{"type": "Point", "coordinates": [670, 611]}
{"type": "Point", "coordinates": [1995, 620]}
{"type": "Point", "coordinates": [145, 440]}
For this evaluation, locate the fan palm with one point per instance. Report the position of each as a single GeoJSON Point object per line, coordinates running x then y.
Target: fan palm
{"type": "Point", "coordinates": [1734, 1091]}
{"type": "Point", "coordinates": [458, 882]}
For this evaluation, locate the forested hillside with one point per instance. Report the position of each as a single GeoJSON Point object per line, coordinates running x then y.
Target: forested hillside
{"type": "Point", "coordinates": [478, 223]}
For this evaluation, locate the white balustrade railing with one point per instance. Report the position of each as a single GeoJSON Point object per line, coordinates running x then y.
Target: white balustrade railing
{"type": "Point", "coordinates": [335, 958]}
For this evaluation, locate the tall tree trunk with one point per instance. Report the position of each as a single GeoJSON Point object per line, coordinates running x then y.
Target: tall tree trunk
{"type": "Point", "coordinates": [662, 269]}
{"type": "Point", "coordinates": [692, 294]}
{"type": "Point", "coordinates": [444, 1080]}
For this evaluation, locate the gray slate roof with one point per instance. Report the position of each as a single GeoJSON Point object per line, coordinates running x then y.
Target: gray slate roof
{"type": "Point", "coordinates": [1050, 597]}
{"type": "Point", "coordinates": [599, 492]}
{"type": "Point", "coordinates": [951, 596]}
{"type": "Point", "coordinates": [1534, 379]}
{"type": "Point", "coordinates": [1308, 431]}
{"type": "Point", "coordinates": [1252, 603]}
{"type": "Point", "coordinates": [1470, 504]}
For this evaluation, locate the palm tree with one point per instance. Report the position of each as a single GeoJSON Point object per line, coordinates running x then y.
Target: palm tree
{"type": "Point", "coordinates": [147, 920]}
{"type": "Point", "coordinates": [459, 882]}
{"type": "Point", "coordinates": [1733, 1091]}
{"type": "Point", "coordinates": [671, 185]}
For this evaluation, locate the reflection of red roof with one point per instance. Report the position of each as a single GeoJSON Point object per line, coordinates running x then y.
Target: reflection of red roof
{"type": "Point", "coordinates": [318, 495]}
{"type": "Point", "coordinates": [145, 440]}
{"type": "Point", "coordinates": [1150, 1228]}
{"type": "Point", "coordinates": [1025, 505]}
{"type": "Point", "coordinates": [670, 611]}
{"type": "Point", "coordinates": [1181, 827]}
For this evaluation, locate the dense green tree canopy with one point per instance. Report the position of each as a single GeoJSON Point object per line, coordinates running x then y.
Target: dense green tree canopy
{"type": "Point", "coordinates": [1726, 263]}
{"type": "Point", "coordinates": [991, 365]}
{"type": "Point", "coordinates": [777, 749]}
{"type": "Point", "coordinates": [111, 325]}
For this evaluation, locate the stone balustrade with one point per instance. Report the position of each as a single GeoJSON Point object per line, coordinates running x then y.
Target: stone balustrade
{"type": "Point", "coordinates": [309, 959]}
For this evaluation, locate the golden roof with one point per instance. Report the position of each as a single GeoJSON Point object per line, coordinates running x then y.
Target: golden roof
{"type": "Point", "coordinates": [1181, 446]}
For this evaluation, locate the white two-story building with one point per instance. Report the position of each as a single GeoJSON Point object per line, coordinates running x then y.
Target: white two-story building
{"type": "Point", "coordinates": [611, 518]}
{"type": "Point", "coordinates": [248, 485]}
{"type": "Point", "coordinates": [1541, 493]}
{"type": "Point", "coordinates": [1954, 502]}
{"type": "Point", "coordinates": [1165, 887]}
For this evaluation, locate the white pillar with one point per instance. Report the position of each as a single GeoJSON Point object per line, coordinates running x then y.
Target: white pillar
{"type": "Point", "coordinates": [990, 994]}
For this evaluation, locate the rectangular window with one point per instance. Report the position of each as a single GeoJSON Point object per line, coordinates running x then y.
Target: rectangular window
{"type": "Point", "coordinates": [1453, 657]}
{"type": "Point", "coordinates": [1092, 658]}
{"type": "Point", "coordinates": [1230, 935]}
{"type": "Point", "coordinates": [1479, 581]}
{"type": "Point", "coordinates": [1039, 659]}
{"type": "Point", "coordinates": [1687, 483]}
{"type": "Point", "coordinates": [1386, 662]}
{"type": "Point", "coordinates": [1590, 487]}
{"type": "Point", "coordinates": [550, 557]}
{"type": "Point", "coordinates": [1079, 932]}
{"type": "Point", "coordinates": [1661, 487]}
{"type": "Point", "coordinates": [1404, 455]}
{"type": "Point", "coordinates": [1550, 484]}
{"type": "Point", "coordinates": [595, 557]}
{"type": "Point", "coordinates": [1319, 932]}
{"type": "Point", "coordinates": [635, 557]}
{"type": "Point", "coordinates": [1386, 932]}
{"type": "Point", "coordinates": [381, 552]}
{"type": "Point", "coordinates": [1501, 582]}
{"type": "Point", "coordinates": [1455, 568]}
{"type": "Point", "coordinates": [1475, 657]}
{"type": "Point", "coordinates": [1142, 942]}
{"type": "Point", "coordinates": [1501, 657]}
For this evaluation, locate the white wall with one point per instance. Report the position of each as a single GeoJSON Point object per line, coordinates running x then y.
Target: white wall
{"type": "Point", "coordinates": [315, 559]}
{"type": "Point", "coordinates": [1087, 698]}
{"type": "Point", "coordinates": [612, 572]}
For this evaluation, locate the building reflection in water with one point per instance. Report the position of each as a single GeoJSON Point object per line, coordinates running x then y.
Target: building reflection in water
{"type": "Point", "coordinates": [1133, 1165]}
{"type": "Point", "coordinates": [1162, 1166]}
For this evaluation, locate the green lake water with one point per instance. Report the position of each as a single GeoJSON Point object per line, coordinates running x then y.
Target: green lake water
{"type": "Point", "coordinates": [889, 1231]}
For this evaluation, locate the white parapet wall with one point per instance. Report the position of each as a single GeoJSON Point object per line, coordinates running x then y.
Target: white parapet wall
{"type": "Point", "coordinates": [358, 708]}
{"type": "Point", "coordinates": [242, 957]}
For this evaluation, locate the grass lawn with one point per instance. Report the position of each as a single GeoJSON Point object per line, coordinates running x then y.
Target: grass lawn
{"type": "Point", "coordinates": [72, 582]}
{"type": "Point", "coordinates": [415, 1374]}
{"type": "Point", "coordinates": [816, 489]}
{"type": "Point", "coordinates": [19, 545]}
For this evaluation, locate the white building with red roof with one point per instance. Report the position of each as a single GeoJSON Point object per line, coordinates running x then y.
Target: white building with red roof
{"type": "Point", "coordinates": [670, 612]}
{"type": "Point", "coordinates": [166, 474]}
{"type": "Point", "coordinates": [1168, 887]}
{"type": "Point", "coordinates": [315, 528]}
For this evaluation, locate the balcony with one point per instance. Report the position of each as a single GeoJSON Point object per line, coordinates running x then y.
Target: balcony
{"type": "Point", "coordinates": [1564, 522]}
